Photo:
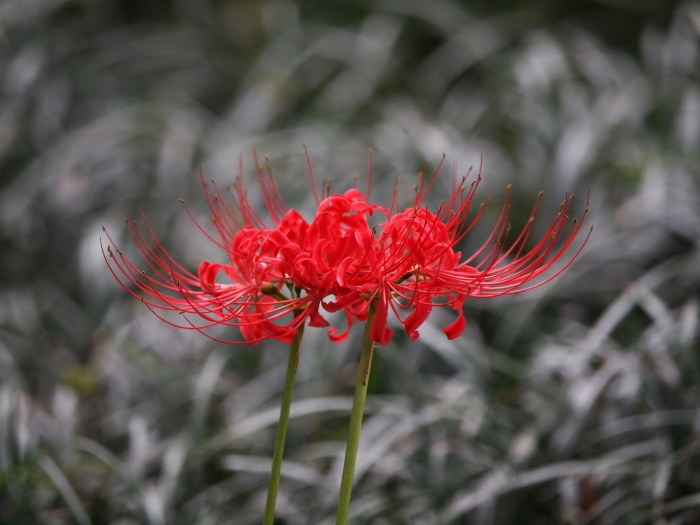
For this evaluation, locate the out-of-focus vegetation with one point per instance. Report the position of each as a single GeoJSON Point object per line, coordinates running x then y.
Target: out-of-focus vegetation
{"type": "Point", "coordinates": [574, 403]}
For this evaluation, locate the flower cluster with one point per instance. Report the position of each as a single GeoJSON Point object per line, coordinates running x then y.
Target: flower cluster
{"type": "Point", "coordinates": [278, 278]}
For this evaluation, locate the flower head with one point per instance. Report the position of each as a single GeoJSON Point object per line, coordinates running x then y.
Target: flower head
{"type": "Point", "coordinates": [249, 294]}
{"type": "Point", "coordinates": [420, 267]}
{"type": "Point", "coordinates": [410, 263]}
{"type": "Point", "coordinates": [278, 277]}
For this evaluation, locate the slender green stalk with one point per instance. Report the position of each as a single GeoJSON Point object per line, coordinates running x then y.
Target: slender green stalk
{"type": "Point", "coordinates": [282, 428]}
{"type": "Point", "coordinates": [358, 408]}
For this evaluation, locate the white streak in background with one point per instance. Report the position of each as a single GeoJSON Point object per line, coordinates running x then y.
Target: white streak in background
{"type": "Point", "coordinates": [542, 63]}
{"type": "Point", "coordinates": [205, 386]}
{"type": "Point", "coordinates": [9, 373]}
{"type": "Point", "coordinates": [659, 338]}
{"type": "Point", "coordinates": [177, 152]}
{"type": "Point", "coordinates": [19, 310]}
{"type": "Point", "coordinates": [25, 69]}
{"type": "Point", "coordinates": [15, 425]}
{"type": "Point", "coordinates": [576, 149]}
{"type": "Point", "coordinates": [688, 322]}
{"type": "Point", "coordinates": [368, 60]}
{"type": "Point", "coordinates": [154, 504]}
{"type": "Point", "coordinates": [65, 408]}
{"type": "Point", "coordinates": [139, 446]}
{"type": "Point", "coordinates": [173, 462]}
{"type": "Point", "coordinates": [290, 469]}
{"type": "Point", "coordinates": [681, 41]}
{"type": "Point", "coordinates": [66, 490]}
{"type": "Point", "coordinates": [687, 127]}
{"type": "Point", "coordinates": [95, 277]}
{"type": "Point", "coordinates": [174, 458]}
{"type": "Point", "coordinates": [249, 425]}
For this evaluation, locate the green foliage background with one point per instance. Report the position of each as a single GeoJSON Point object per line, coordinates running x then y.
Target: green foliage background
{"type": "Point", "coordinates": [575, 403]}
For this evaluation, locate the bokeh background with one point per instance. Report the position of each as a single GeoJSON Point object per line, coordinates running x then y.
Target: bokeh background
{"type": "Point", "coordinates": [575, 403]}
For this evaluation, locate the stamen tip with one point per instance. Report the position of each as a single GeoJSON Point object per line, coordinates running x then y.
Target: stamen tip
{"type": "Point", "coordinates": [370, 151]}
{"type": "Point", "coordinates": [509, 187]}
{"type": "Point", "coordinates": [182, 201]}
{"type": "Point", "coordinates": [540, 194]}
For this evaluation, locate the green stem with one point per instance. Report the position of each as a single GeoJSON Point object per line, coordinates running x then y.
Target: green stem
{"type": "Point", "coordinates": [358, 407]}
{"type": "Point", "coordinates": [282, 427]}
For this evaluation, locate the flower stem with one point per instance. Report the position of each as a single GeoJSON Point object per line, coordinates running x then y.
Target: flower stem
{"type": "Point", "coordinates": [282, 427]}
{"type": "Point", "coordinates": [358, 407]}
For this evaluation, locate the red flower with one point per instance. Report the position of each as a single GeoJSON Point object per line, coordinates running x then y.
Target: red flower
{"type": "Point", "coordinates": [256, 269]}
{"type": "Point", "coordinates": [281, 276]}
{"type": "Point", "coordinates": [411, 263]}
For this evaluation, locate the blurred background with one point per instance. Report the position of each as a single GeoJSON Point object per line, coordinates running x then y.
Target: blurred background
{"type": "Point", "coordinates": [575, 403]}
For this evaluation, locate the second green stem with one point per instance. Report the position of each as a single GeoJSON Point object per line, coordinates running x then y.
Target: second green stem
{"type": "Point", "coordinates": [358, 408]}
{"type": "Point", "coordinates": [282, 427]}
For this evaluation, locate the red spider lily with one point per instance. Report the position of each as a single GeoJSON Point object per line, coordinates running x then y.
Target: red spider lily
{"type": "Point", "coordinates": [411, 263]}
{"type": "Point", "coordinates": [420, 269]}
{"type": "Point", "coordinates": [339, 262]}
{"type": "Point", "coordinates": [257, 270]}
